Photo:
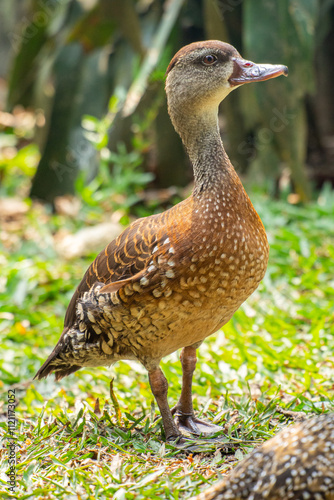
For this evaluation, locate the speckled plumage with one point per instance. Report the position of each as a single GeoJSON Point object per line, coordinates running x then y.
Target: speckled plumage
{"type": "Point", "coordinates": [296, 464]}
{"type": "Point", "coordinates": [170, 280]}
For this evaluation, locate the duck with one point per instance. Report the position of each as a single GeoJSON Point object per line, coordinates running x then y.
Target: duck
{"type": "Point", "coordinates": [297, 463]}
{"type": "Point", "coordinates": [170, 280]}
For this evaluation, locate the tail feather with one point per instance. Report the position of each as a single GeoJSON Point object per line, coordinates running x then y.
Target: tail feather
{"type": "Point", "coordinates": [60, 370]}
{"type": "Point", "coordinates": [55, 364]}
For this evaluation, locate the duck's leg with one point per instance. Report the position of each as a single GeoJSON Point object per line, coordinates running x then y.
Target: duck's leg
{"type": "Point", "coordinates": [183, 410]}
{"type": "Point", "coordinates": [159, 387]}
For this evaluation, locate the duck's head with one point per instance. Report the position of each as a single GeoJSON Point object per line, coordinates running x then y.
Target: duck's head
{"type": "Point", "coordinates": [202, 74]}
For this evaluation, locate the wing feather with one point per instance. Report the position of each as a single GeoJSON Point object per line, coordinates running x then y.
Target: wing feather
{"type": "Point", "coordinates": [122, 259]}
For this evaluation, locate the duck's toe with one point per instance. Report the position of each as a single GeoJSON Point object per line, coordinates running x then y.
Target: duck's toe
{"type": "Point", "coordinates": [189, 424]}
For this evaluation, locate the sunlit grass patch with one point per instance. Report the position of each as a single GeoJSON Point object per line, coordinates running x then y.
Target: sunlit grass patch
{"type": "Point", "coordinates": [273, 360]}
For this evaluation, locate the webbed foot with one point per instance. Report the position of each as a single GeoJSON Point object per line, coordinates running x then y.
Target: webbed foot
{"type": "Point", "coordinates": [187, 423]}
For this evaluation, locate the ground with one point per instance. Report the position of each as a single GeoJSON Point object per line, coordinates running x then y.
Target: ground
{"type": "Point", "coordinates": [273, 363]}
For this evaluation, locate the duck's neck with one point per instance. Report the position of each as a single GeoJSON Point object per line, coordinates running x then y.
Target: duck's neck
{"type": "Point", "coordinates": [200, 135]}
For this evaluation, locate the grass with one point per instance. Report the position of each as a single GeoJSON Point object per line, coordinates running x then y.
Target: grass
{"type": "Point", "coordinates": [274, 359]}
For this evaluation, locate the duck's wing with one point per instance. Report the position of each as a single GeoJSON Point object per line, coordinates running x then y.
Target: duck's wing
{"type": "Point", "coordinates": [139, 258]}
{"type": "Point", "coordinates": [126, 259]}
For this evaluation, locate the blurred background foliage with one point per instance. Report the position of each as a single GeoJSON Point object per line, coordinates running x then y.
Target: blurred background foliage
{"type": "Point", "coordinates": [89, 76]}
{"type": "Point", "coordinates": [83, 113]}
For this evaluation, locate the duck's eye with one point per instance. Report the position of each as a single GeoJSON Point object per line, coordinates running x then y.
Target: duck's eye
{"type": "Point", "coordinates": [209, 60]}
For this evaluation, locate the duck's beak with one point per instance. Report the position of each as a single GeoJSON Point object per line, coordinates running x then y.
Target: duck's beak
{"type": "Point", "coordinates": [247, 71]}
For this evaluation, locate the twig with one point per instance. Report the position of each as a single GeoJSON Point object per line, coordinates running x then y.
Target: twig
{"type": "Point", "coordinates": [139, 85]}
